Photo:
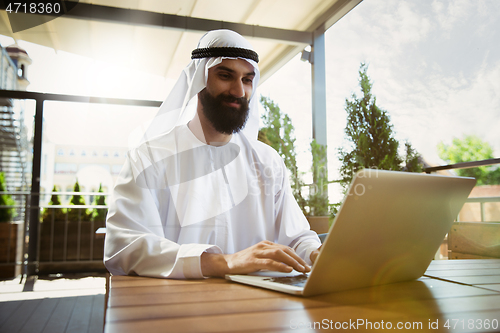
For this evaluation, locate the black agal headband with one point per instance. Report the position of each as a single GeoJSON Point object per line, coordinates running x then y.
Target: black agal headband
{"type": "Point", "coordinates": [232, 52]}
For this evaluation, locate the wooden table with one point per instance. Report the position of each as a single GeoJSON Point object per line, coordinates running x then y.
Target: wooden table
{"type": "Point", "coordinates": [453, 296]}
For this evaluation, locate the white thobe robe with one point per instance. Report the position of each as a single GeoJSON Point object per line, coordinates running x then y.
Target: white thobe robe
{"type": "Point", "coordinates": [177, 197]}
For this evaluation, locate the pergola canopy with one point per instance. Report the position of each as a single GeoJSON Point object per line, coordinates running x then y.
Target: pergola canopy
{"type": "Point", "coordinates": [157, 36]}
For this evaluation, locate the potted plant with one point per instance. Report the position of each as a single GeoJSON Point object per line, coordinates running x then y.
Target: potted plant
{"type": "Point", "coordinates": [52, 230]}
{"type": "Point", "coordinates": [77, 214]}
{"type": "Point", "coordinates": [317, 201]}
{"type": "Point", "coordinates": [68, 235]}
{"type": "Point", "coordinates": [278, 133]}
{"type": "Point", "coordinates": [11, 236]}
{"type": "Point", "coordinates": [98, 221]}
{"type": "Point", "coordinates": [99, 214]}
{"type": "Point", "coordinates": [78, 227]}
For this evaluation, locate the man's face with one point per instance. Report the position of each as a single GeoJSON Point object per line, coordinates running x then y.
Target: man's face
{"type": "Point", "coordinates": [226, 96]}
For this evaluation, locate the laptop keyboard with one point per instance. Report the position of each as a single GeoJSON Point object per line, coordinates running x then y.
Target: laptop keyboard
{"type": "Point", "coordinates": [298, 280]}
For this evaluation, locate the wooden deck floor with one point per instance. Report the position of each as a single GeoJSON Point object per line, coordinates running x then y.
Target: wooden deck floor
{"type": "Point", "coordinates": [52, 305]}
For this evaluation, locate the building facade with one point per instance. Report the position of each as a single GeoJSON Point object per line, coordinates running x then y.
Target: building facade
{"type": "Point", "coordinates": [91, 166]}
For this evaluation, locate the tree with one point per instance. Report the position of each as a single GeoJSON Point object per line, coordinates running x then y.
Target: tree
{"type": "Point", "coordinates": [370, 133]}
{"type": "Point", "coordinates": [58, 214]}
{"type": "Point", "coordinates": [318, 196]}
{"type": "Point", "coordinates": [278, 132]}
{"type": "Point", "coordinates": [99, 214]}
{"type": "Point", "coordinates": [470, 149]}
{"type": "Point", "coordinates": [77, 214]}
{"type": "Point", "coordinates": [6, 214]}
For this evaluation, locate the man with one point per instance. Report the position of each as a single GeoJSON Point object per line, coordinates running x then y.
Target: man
{"type": "Point", "coordinates": [206, 198]}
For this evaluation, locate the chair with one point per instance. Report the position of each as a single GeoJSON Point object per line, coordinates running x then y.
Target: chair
{"type": "Point", "coordinates": [474, 240]}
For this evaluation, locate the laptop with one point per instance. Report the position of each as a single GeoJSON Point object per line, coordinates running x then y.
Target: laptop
{"type": "Point", "coordinates": [388, 229]}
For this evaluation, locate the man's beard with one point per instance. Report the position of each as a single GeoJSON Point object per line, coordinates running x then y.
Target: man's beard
{"type": "Point", "coordinates": [225, 119]}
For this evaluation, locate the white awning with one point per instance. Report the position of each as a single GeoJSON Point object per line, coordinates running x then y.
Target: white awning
{"type": "Point", "coordinates": [157, 36]}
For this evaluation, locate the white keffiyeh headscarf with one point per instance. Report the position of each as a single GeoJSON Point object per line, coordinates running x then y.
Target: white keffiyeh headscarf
{"type": "Point", "coordinates": [212, 48]}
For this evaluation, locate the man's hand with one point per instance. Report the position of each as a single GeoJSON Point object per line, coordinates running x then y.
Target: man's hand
{"type": "Point", "coordinates": [264, 255]}
{"type": "Point", "coordinates": [314, 254]}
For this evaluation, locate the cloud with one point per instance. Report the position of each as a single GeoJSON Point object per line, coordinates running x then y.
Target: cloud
{"type": "Point", "coordinates": [440, 108]}
{"type": "Point", "coordinates": [435, 67]}
{"type": "Point", "coordinates": [451, 13]}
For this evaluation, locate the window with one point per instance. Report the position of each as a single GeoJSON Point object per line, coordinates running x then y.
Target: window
{"type": "Point", "coordinates": [105, 153]}
{"type": "Point", "coordinates": [60, 152]}
{"type": "Point", "coordinates": [84, 153]}
{"type": "Point", "coordinates": [21, 71]}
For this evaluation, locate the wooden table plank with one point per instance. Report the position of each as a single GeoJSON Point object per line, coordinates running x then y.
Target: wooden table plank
{"type": "Point", "coordinates": [495, 287]}
{"type": "Point", "coordinates": [216, 305]}
{"type": "Point", "coordinates": [288, 320]}
{"type": "Point", "coordinates": [174, 304]}
{"type": "Point", "coordinates": [247, 321]}
{"type": "Point", "coordinates": [444, 273]}
{"type": "Point", "coordinates": [465, 262]}
{"type": "Point", "coordinates": [475, 280]}
{"type": "Point", "coordinates": [137, 281]}
{"type": "Point", "coordinates": [214, 284]}
{"type": "Point", "coordinates": [453, 266]}
{"type": "Point", "coordinates": [187, 297]}
{"type": "Point", "coordinates": [206, 308]}
{"type": "Point", "coordinates": [415, 290]}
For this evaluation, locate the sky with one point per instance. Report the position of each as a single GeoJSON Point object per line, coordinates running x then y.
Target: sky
{"type": "Point", "coordinates": [435, 68]}
{"type": "Point", "coordinates": [434, 64]}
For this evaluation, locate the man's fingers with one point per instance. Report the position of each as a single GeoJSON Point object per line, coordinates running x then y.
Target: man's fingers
{"type": "Point", "coordinates": [294, 255]}
{"type": "Point", "coordinates": [285, 255]}
{"type": "Point", "coordinates": [273, 265]}
{"type": "Point", "coordinates": [265, 255]}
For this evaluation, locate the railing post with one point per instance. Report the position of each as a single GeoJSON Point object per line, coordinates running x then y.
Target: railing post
{"type": "Point", "coordinates": [34, 213]}
{"type": "Point", "coordinates": [482, 211]}
{"type": "Point", "coordinates": [25, 232]}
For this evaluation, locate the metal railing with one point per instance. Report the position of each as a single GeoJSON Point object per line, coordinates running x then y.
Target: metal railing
{"type": "Point", "coordinates": [67, 241]}
{"type": "Point", "coordinates": [15, 254]}
{"type": "Point", "coordinates": [463, 165]}
{"type": "Point", "coordinates": [482, 201]}
{"type": "Point", "coordinates": [32, 221]}
{"type": "Point", "coordinates": [467, 165]}
{"type": "Point", "coordinates": [63, 243]}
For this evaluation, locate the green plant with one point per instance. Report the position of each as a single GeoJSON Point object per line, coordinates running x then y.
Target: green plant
{"type": "Point", "coordinates": [318, 193]}
{"type": "Point", "coordinates": [58, 214]}
{"type": "Point", "coordinates": [6, 214]}
{"type": "Point", "coordinates": [99, 215]}
{"type": "Point", "coordinates": [278, 132]}
{"type": "Point", "coordinates": [77, 214]}
{"type": "Point", "coordinates": [470, 149]}
{"type": "Point", "coordinates": [370, 133]}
